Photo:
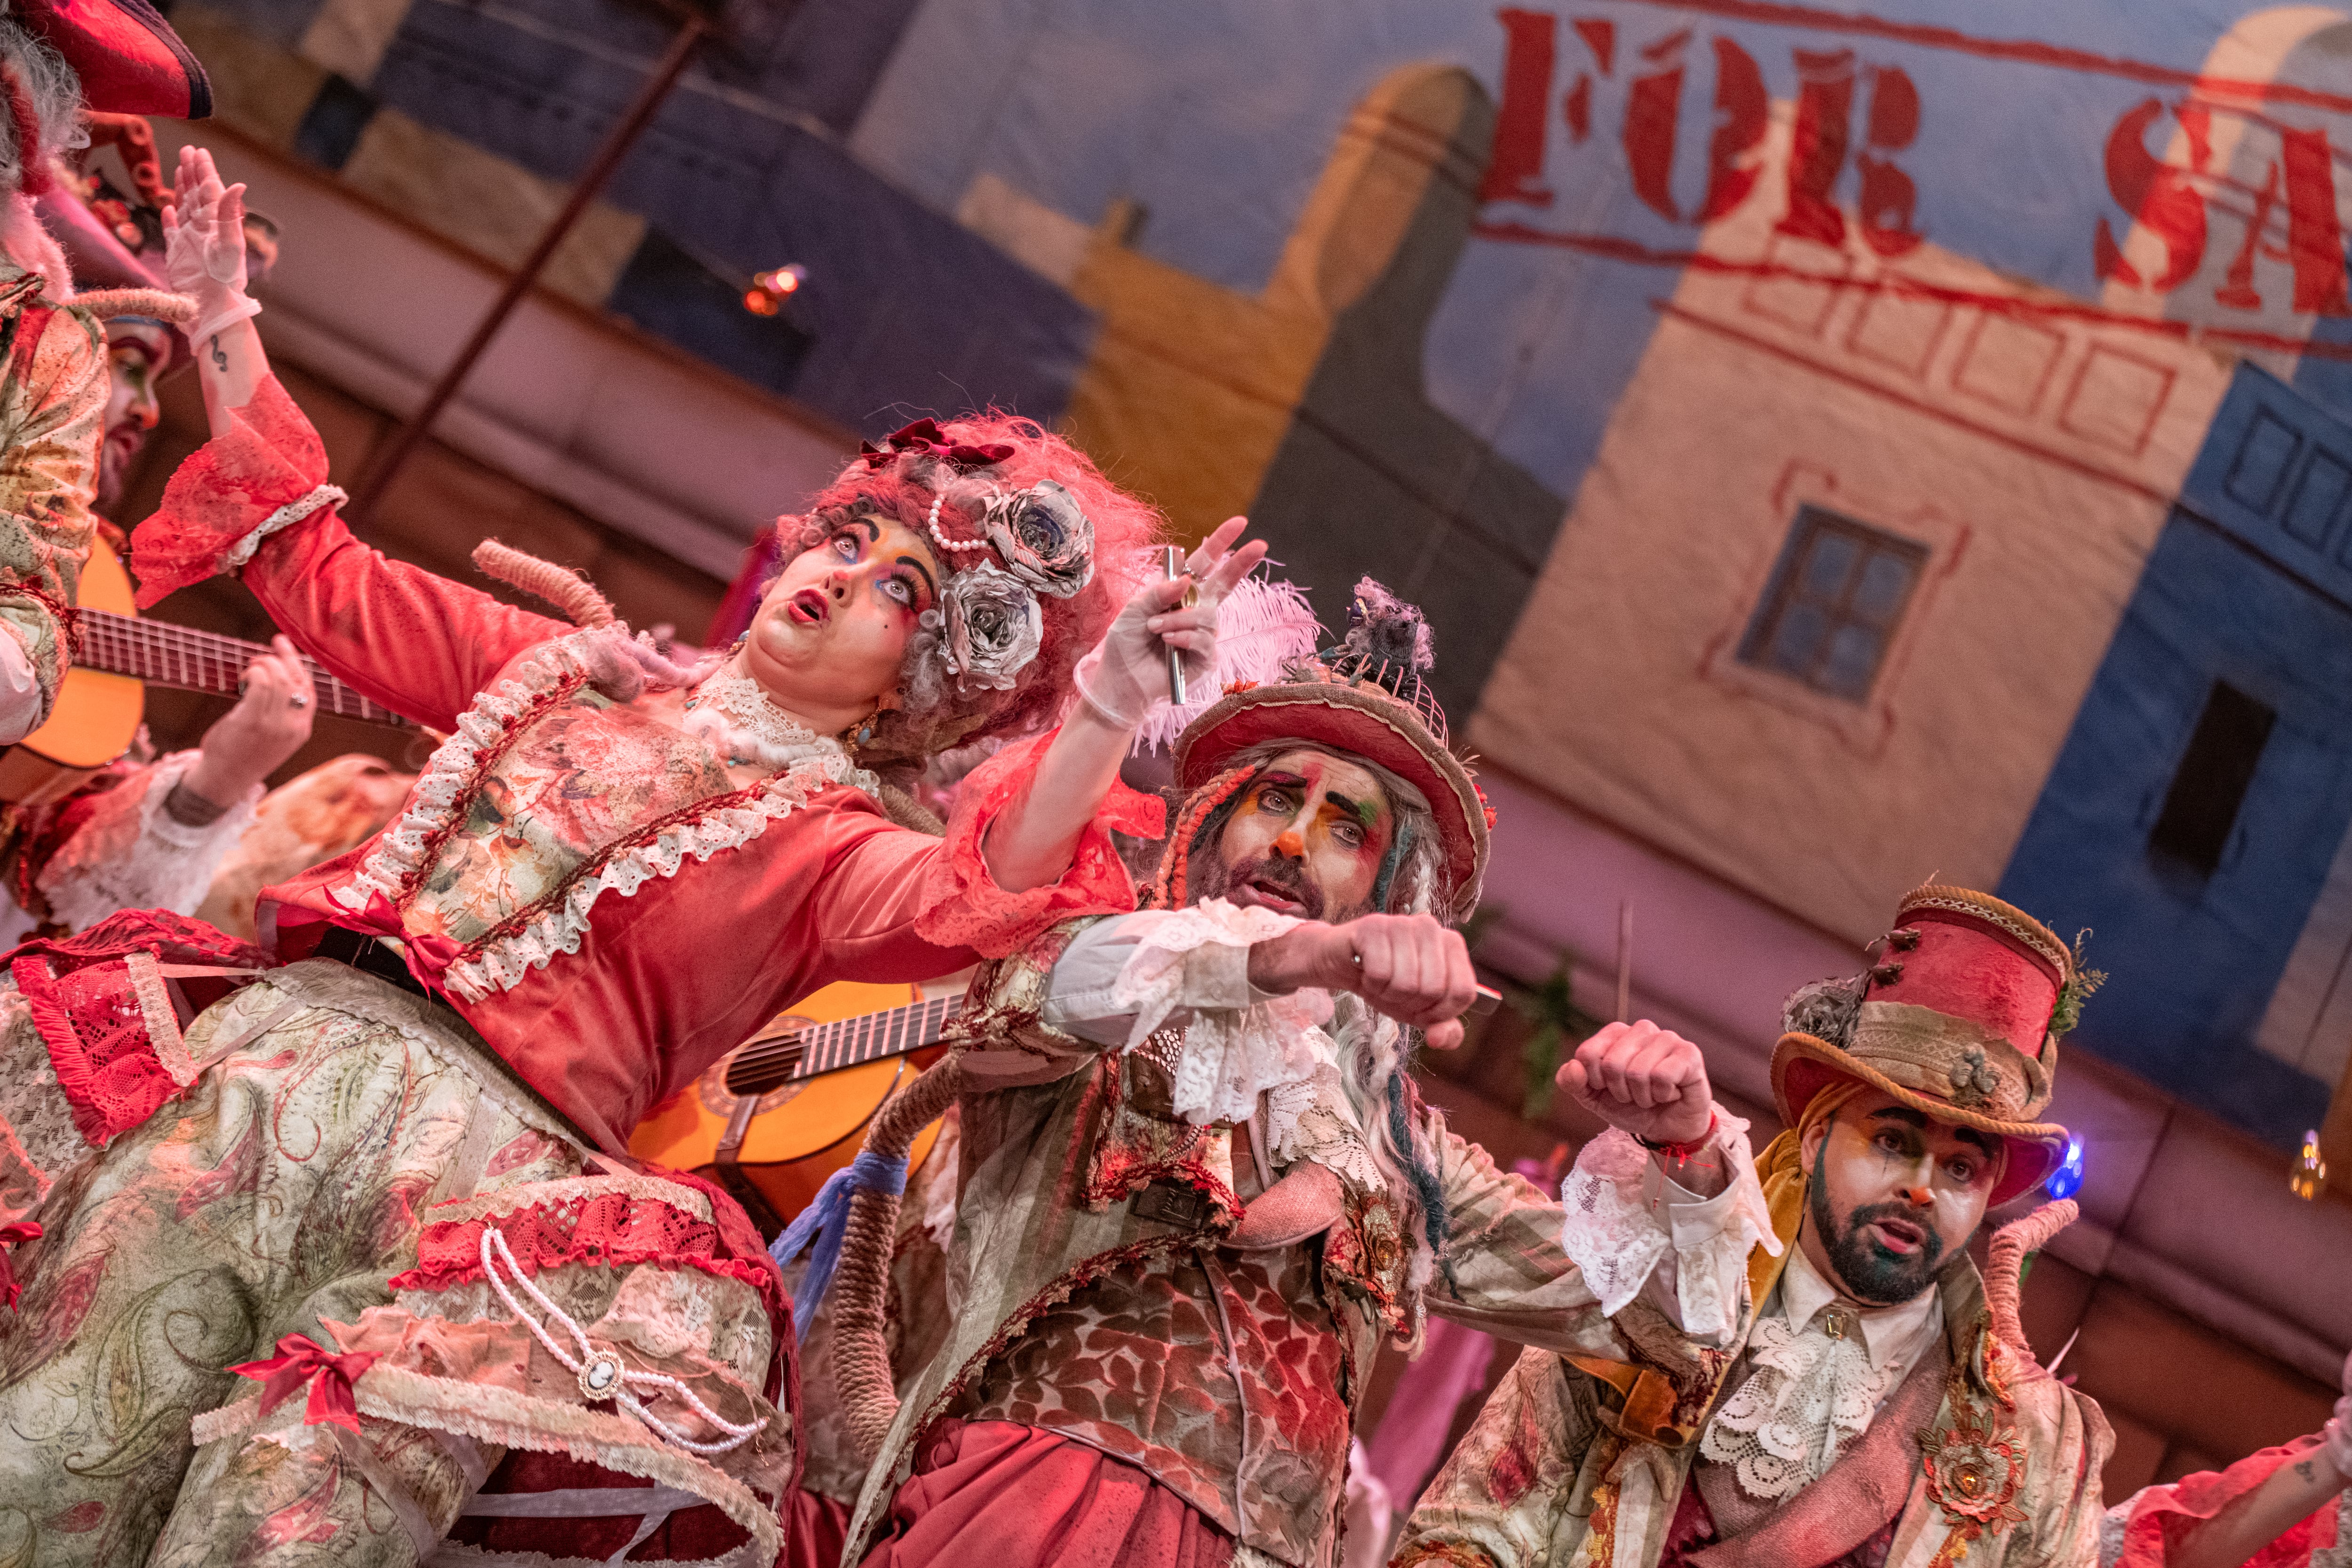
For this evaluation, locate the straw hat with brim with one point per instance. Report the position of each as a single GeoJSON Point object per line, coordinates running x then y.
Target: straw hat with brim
{"type": "Point", "coordinates": [1362, 718]}
{"type": "Point", "coordinates": [1955, 1021]}
{"type": "Point", "coordinates": [128, 57]}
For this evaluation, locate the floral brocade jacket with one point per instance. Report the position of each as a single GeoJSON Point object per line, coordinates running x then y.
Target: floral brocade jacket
{"type": "Point", "coordinates": [54, 383]}
{"type": "Point", "coordinates": [1579, 1464]}
{"type": "Point", "coordinates": [1087, 1237]}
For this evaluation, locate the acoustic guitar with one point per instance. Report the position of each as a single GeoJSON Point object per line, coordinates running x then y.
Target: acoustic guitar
{"type": "Point", "coordinates": [104, 695]}
{"type": "Point", "coordinates": [772, 1119]}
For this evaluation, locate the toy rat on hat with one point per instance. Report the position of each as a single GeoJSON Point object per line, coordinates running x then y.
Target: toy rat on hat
{"type": "Point", "coordinates": [1959, 1018]}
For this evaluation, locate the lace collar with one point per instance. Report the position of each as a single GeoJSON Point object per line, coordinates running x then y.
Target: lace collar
{"type": "Point", "coordinates": [738, 720]}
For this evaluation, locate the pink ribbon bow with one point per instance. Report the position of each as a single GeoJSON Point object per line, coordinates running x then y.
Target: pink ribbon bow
{"type": "Point", "coordinates": [301, 1360]}
{"type": "Point", "coordinates": [925, 436]}
{"type": "Point", "coordinates": [14, 1236]}
{"type": "Point", "coordinates": [427, 956]}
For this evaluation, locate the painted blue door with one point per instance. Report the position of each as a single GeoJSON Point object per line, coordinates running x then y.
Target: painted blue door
{"type": "Point", "coordinates": [2191, 815]}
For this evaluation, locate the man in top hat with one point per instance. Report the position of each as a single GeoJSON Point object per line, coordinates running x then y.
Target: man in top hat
{"type": "Point", "coordinates": [1198, 1186]}
{"type": "Point", "coordinates": [1867, 1407]}
{"type": "Point", "coordinates": [56, 60]}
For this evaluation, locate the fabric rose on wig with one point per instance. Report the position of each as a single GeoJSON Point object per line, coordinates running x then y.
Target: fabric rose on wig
{"type": "Point", "coordinates": [994, 627]}
{"type": "Point", "coordinates": [1043, 537]}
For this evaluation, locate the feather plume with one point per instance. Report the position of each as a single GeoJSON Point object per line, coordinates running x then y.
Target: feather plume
{"type": "Point", "coordinates": [1262, 626]}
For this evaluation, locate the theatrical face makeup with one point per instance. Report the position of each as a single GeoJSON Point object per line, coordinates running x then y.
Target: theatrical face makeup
{"type": "Point", "coordinates": [134, 359]}
{"type": "Point", "coordinates": [1895, 1195]}
{"type": "Point", "coordinates": [831, 634]}
{"type": "Point", "coordinates": [1307, 838]}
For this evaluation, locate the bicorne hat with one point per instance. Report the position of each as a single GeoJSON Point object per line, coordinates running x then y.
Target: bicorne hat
{"type": "Point", "coordinates": [1959, 1018]}
{"type": "Point", "coordinates": [1365, 697]}
{"type": "Point", "coordinates": [129, 59]}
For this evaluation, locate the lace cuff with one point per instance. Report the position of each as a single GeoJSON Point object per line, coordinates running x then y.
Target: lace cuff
{"type": "Point", "coordinates": [130, 853]}
{"type": "Point", "coordinates": [1625, 1222]}
{"type": "Point", "coordinates": [1230, 1054]}
{"type": "Point", "coordinates": [961, 905]}
{"type": "Point", "coordinates": [267, 472]}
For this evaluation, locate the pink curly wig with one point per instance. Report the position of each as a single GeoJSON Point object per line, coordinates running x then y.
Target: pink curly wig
{"type": "Point", "coordinates": [902, 485]}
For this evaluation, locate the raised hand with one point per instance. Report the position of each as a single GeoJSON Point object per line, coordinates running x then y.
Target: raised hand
{"type": "Point", "coordinates": [1647, 1080]}
{"type": "Point", "coordinates": [1123, 675]}
{"type": "Point", "coordinates": [204, 245]}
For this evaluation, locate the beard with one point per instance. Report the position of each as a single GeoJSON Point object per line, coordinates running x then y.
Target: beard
{"type": "Point", "coordinates": [1870, 1272]}
{"type": "Point", "coordinates": [117, 451]}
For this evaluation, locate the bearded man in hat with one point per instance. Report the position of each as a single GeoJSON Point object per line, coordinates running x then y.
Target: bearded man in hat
{"type": "Point", "coordinates": [1197, 1188]}
{"type": "Point", "coordinates": [56, 60]}
{"type": "Point", "coordinates": [1868, 1407]}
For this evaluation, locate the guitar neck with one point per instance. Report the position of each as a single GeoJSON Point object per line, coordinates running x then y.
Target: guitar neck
{"type": "Point", "coordinates": [847, 1043]}
{"type": "Point", "coordinates": [189, 660]}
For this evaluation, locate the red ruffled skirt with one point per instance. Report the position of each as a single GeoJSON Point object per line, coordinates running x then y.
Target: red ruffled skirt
{"type": "Point", "coordinates": [1009, 1496]}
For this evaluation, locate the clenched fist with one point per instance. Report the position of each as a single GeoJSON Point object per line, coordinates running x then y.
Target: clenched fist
{"type": "Point", "coordinates": [1647, 1080]}
{"type": "Point", "coordinates": [1411, 967]}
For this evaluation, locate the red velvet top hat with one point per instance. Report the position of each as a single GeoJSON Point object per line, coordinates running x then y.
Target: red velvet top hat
{"type": "Point", "coordinates": [129, 59]}
{"type": "Point", "coordinates": [1957, 1020]}
{"type": "Point", "coordinates": [1366, 698]}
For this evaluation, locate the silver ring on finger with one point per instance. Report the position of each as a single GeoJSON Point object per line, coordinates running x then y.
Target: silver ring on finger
{"type": "Point", "coordinates": [299, 699]}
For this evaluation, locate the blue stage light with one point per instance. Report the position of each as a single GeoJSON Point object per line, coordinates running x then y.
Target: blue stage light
{"type": "Point", "coordinates": [2067, 1179]}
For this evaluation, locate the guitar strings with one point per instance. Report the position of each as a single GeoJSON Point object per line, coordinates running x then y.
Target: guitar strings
{"type": "Point", "coordinates": [819, 1043]}
{"type": "Point", "coordinates": [218, 661]}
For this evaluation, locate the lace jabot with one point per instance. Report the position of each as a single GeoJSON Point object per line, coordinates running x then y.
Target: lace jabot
{"type": "Point", "coordinates": [1229, 1056]}
{"type": "Point", "coordinates": [1810, 1394]}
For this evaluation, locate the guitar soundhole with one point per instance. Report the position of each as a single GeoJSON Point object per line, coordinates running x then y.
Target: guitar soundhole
{"type": "Point", "coordinates": [760, 1067]}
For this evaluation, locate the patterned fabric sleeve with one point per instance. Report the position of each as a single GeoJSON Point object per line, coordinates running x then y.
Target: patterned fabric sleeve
{"type": "Point", "coordinates": [125, 851]}
{"type": "Point", "coordinates": [52, 408]}
{"type": "Point", "coordinates": [1510, 1277]}
{"type": "Point", "coordinates": [1501, 1500]}
{"type": "Point", "coordinates": [419, 644]}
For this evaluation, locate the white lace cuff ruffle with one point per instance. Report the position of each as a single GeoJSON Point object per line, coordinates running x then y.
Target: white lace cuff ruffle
{"type": "Point", "coordinates": [1625, 1219]}
{"type": "Point", "coordinates": [1230, 1054]}
{"type": "Point", "coordinates": [132, 855]}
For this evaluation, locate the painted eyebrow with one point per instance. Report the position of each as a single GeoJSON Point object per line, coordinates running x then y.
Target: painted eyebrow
{"type": "Point", "coordinates": [1919, 1119]}
{"type": "Point", "coordinates": [872, 529]}
{"type": "Point", "coordinates": [1294, 780]}
{"type": "Point", "coordinates": [1363, 811]}
{"type": "Point", "coordinates": [1982, 1139]}
{"type": "Point", "coordinates": [911, 560]}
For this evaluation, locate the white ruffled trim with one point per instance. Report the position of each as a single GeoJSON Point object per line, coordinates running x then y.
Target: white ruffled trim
{"type": "Point", "coordinates": [285, 516]}
{"type": "Point", "coordinates": [1808, 1397]}
{"type": "Point", "coordinates": [168, 865]}
{"type": "Point", "coordinates": [1617, 1229]}
{"type": "Point", "coordinates": [1229, 1056]}
{"type": "Point", "coordinates": [444, 790]}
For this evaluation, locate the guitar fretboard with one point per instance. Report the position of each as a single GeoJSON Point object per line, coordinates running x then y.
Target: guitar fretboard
{"type": "Point", "coordinates": [190, 660]}
{"type": "Point", "coordinates": [845, 1043]}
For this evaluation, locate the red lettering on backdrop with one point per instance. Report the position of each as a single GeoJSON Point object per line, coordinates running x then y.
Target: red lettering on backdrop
{"type": "Point", "coordinates": [2159, 195]}
{"type": "Point", "coordinates": [2236, 289]}
{"type": "Point", "coordinates": [1745, 110]}
{"type": "Point", "coordinates": [1888, 197]}
{"type": "Point", "coordinates": [2315, 241]}
{"type": "Point", "coordinates": [1515, 172]}
{"type": "Point", "coordinates": [1601, 38]}
{"type": "Point", "coordinates": [1825, 110]}
{"type": "Point", "coordinates": [1650, 114]}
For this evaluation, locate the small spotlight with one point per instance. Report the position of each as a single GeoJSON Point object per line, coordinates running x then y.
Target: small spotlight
{"type": "Point", "coordinates": [2067, 1179]}
{"type": "Point", "coordinates": [760, 302]}
{"type": "Point", "coordinates": [771, 288]}
{"type": "Point", "coordinates": [2309, 1177]}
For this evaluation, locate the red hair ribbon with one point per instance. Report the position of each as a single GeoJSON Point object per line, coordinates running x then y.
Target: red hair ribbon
{"type": "Point", "coordinates": [301, 1360]}
{"type": "Point", "coordinates": [12, 1236]}
{"type": "Point", "coordinates": [925, 436]}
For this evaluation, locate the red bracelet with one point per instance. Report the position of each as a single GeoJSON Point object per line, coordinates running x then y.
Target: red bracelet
{"type": "Point", "coordinates": [1684, 1150]}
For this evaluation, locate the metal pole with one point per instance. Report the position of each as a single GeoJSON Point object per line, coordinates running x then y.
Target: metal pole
{"type": "Point", "coordinates": [606, 159]}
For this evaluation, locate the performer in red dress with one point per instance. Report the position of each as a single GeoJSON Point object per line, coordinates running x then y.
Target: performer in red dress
{"type": "Point", "coordinates": [402, 1162]}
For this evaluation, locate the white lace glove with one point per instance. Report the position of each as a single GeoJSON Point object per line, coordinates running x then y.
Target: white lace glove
{"type": "Point", "coordinates": [204, 246]}
{"type": "Point", "coordinates": [1123, 675]}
